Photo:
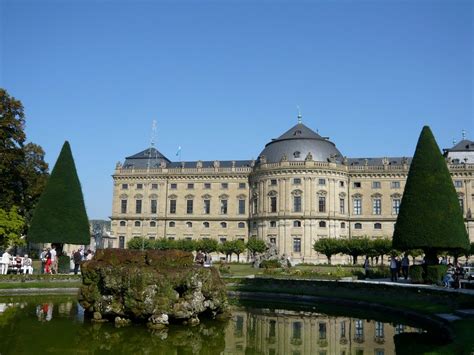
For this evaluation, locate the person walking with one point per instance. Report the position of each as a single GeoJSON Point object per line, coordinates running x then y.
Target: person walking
{"type": "Point", "coordinates": [366, 267]}
{"type": "Point", "coordinates": [77, 261]}
{"type": "Point", "coordinates": [5, 261]}
{"type": "Point", "coordinates": [405, 265]}
{"type": "Point", "coordinates": [43, 260]}
{"type": "Point", "coordinates": [47, 265]}
{"type": "Point", "coordinates": [54, 260]}
{"type": "Point", "coordinates": [393, 269]}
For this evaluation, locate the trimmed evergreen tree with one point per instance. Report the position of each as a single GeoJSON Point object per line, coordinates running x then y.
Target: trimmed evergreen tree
{"type": "Point", "coordinates": [60, 216]}
{"type": "Point", "coordinates": [430, 217]}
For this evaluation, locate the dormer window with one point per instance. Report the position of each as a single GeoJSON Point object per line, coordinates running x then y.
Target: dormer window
{"type": "Point", "coordinates": [297, 133]}
{"type": "Point", "coordinates": [296, 154]}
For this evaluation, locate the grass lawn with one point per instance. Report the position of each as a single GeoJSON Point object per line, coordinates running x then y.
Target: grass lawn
{"type": "Point", "coordinates": [39, 284]}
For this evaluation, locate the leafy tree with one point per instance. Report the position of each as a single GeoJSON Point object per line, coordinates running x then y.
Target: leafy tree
{"type": "Point", "coordinates": [255, 246]}
{"type": "Point", "coordinates": [239, 248]}
{"type": "Point", "coordinates": [227, 248]}
{"type": "Point", "coordinates": [430, 217]}
{"type": "Point", "coordinates": [23, 171]}
{"type": "Point", "coordinates": [140, 243]}
{"type": "Point", "coordinates": [328, 247]}
{"type": "Point", "coordinates": [381, 247]}
{"type": "Point", "coordinates": [11, 228]}
{"type": "Point", "coordinates": [355, 247]}
{"type": "Point", "coordinates": [207, 245]}
{"type": "Point", "coordinates": [414, 253]}
{"type": "Point", "coordinates": [60, 216]}
{"type": "Point", "coordinates": [185, 245]}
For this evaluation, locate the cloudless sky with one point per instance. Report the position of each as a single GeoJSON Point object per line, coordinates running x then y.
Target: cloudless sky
{"type": "Point", "coordinates": [224, 77]}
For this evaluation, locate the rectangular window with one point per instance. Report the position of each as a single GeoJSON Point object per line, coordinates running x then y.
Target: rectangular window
{"type": "Point", "coordinates": [207, 206]}
{"type": "Point", "coordinates": [273, 182]}
{"type": "Point", "coordinates": [461, 204]}
{"type": "Point", "coordinates": [222, 239]}
{"type": "Point", "coordinates": [322, 331]}
{"type": "Point", "coordinates": [223, 206]}
{"type": "Point", "coordinates": [124, 186]}
{"type": "Point", "coordinates": [241, 206]}
{"type": "Point", "coordinates": [376, 185]}
{"type": "Point", "coordinates": [154, 186]}
{"type": "Point", "coordinates": [138, 206]}
{"type": "Point", "coordinates": [357, 206]}
{"type": "Point", "coordinates": [242, 185]}
{"type": "Point", "coordinates": [396, 206]}
{"type": "Point", "coordinates": [359, 328]}
{"type": "Point", "coordinates": [207, 185]}
{"type": "Point", "coordinates": [357, 185]}
{"type": "Point", "coordinates": [123, 206]}
{"type": "Point", "coordinates": [254, 205]}
{"type": "Point", "coordinates": [272, 329]}
{"type": "Point", "coordinates": [341, 183]}
{"type": "Point", "coordinates": [189, 206]}
{"type": "Point", "coordinates": [297, 330]}
{"type": "Point", "coordinates": [273, 204]}
{"type": "Point", "coordinates": [190, 186]}
{"type": "Point", "coordinates": [377, 206]}
{"type": "Point", "coordinates": [322, 204]}
{"type": "Point", "coordinates": [296, 181]}
{"type": "Point", "coordinates": [457, 183]}
{"type": "Point", "coordinates": [297, 204]}
{"type": "Point", "coordinates": [395, 184]}
{"type": "Point", "coordinates": [379, 331]}
{"type": "Point", "coordinates": [224, 185]}
{"type": "Point", "coordinates": [297, 245]}
{"type": "Point", "coordinates": [139, 186]}
{"type": "Point", "coordinates": [343, 329]}
{"type": "Point", "coordinates": [321, 181]}
{"type": "Point", "coordinates": [342, 203]}
{"type": "Point", "coordinates": [173, 186]}
{"type": "Point", "coordinates": [172, 206]}
{"type": "Point", "coordinates": [153, 206]}
{"type": "Point", "coordinates": [121, 242]}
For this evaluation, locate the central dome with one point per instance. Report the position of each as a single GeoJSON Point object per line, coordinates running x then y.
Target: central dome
{"type": "Point", "coordinates": [295, 145]}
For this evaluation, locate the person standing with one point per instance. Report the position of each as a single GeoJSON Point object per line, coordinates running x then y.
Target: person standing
{"type": "Point", "coordinates": [366, 267]}
{"type": "Point", "coordinates": [54, 260]}
{"type": "Point", "coordinates": [47, 265]}
{"type": "Point", "coordinates": [405, 265]}
{"type": "Point", "coordinates": [26, 266]}
{"type": "Point", "coordinates": [77, 261]}
{"type": "Point", "coordinates": [393, 269]}
{"type": "Point", "coordinates": [43, 260]}
{"type": "Point", "coordinates": [5, 261]}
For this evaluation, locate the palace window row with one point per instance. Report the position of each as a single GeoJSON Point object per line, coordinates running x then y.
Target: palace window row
{"type": "Point", "coordinates": [376, 225]}
{"type": "Point", "coordinates": [206, 185]}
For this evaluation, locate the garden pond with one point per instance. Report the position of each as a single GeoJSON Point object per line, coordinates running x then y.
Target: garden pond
{"type": "Point", "coordinates": [56, 324]}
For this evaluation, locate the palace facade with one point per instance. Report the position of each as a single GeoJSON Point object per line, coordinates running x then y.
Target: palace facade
{"type": "Point", "coordinates": [301, 188]}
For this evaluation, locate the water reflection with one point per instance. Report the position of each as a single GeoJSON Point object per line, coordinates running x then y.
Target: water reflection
{"type": "Point", "coordinates": [249, 331]}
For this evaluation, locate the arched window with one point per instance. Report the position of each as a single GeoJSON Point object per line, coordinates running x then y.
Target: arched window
{"type": "Point", "coordinates": [343, 225]}
{"type": "Point", "coordinates": [123, 223]}
{"type": "Point", "coordinates": [273, 224]}
{"type": "Point", "coordinates": [172, 224]}
{"type": "Point", "coordinates": [223, 225]}
{"type": "Point", "coordinates": [241, 225]}
{"type": "Point", "coordinates": [297, 224]}
{"type": "Point", "coordinates": [137, 224]}
{"type": "Point", "coordinates": [358, 226]}
{"type": "Point", "coordinates": [189, 224]}
{"type": "Point", "coordinates": [205, 224]}
{"type": "Point", "coordinates": [322, 224]}
{"type": "Point", "coordinates": [377, 225]}
{"type": "Point", "coordinates": [152, 224]}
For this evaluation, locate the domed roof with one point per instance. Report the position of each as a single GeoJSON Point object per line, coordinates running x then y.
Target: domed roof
{"type": "Point", "coordinates": [295, 145]}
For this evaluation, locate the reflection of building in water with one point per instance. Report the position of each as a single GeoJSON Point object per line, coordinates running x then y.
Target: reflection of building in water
{"type": "Point", "coordinates": [298, 333]}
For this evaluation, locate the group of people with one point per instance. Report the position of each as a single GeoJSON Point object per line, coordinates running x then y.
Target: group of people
{"type": "Point", "coordinates": [17, 265]}
{"type": "Point", "coordinates": [453, 276]}
{"type": "Point", "coordinates": [399, 267]}
{"type": "Point", "coordinates": [78, 256]}
{"type": "Point", "coordinates": [203, 259]}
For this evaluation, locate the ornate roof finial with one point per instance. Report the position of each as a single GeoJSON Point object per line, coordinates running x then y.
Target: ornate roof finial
{"type": "Point", "coordinates": [463, 134]}
{"type": "Point", "coordinates": [299, 114]}
{"type": "Point", "coordinates": [454, 141]}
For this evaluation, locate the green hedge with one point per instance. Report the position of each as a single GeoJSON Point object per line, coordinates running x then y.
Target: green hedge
{"type": "Point", "coordinates": [270, 264]}
{"type": "Point", "coordinates": [435, 274]}
{"type": "Point", "coordinates": [416, 274]}
{"type": "Point", "coordinates": [64, 264]}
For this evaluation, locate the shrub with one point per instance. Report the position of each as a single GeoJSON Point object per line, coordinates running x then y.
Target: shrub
{"type": "Point", "coordinates": [416, 273]}
{"type": "Point", "coordinates": [435, 274]}
{"type": "Point", "coordinates": [64, 264]}
{"type": "Point", "coordinates": [379, 272]}
{"type": "Point", "coordinates": [270, 264]}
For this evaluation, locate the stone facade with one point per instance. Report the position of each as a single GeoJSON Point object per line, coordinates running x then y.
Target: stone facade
{"type": "Point", "coordinates": [291, 201]}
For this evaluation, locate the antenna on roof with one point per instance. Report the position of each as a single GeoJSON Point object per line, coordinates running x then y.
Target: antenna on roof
{"type": "Point", "coordinates": [454, 141]}
{"type": "Point", "coordinates": [463, 134]}
{"type": "Point", "coordinates": [299, 114]}
{"type": "Point", "coordinates": [152, 143]}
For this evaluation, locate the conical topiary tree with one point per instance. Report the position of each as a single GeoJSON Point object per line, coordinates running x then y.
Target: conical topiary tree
{"type": "Point", "coordinates": [430, 217]}
{"type": "Point", "coordinates": [60, 216]}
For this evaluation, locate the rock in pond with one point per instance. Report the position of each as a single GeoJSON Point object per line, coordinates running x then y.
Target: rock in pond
{"type": "Point", "coordinates": [154, 286]}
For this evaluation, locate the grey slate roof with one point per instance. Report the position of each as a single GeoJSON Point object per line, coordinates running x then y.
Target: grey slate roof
{"type": "Point", "coordinates": [462, 146]}
{"type": "Point", "coordinates": [140, 160]}
{"type": "Point", "coordinates": [297, 143]}
{"type": "Point", "coordinates": [378, 161]}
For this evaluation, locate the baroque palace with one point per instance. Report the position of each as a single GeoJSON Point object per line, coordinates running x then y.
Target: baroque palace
{"type": "Point", "coordinates": [301, 188]}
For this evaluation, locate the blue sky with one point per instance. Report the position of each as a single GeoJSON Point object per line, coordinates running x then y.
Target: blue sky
{"type": "Point", "coordinates": [224, 77]}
